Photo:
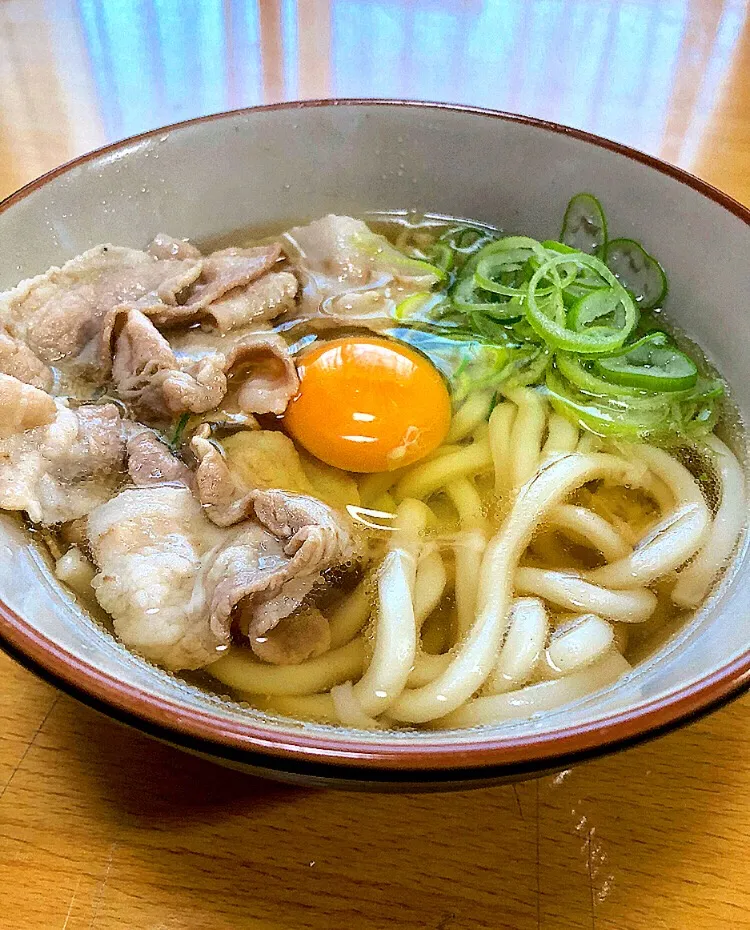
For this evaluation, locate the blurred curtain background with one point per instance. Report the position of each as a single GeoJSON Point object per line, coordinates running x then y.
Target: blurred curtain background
{"type": "Point", "coordinates": [650, 73]}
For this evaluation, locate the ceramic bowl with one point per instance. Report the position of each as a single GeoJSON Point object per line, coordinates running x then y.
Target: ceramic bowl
{"type": "Point", "coordinates": [279, 164]}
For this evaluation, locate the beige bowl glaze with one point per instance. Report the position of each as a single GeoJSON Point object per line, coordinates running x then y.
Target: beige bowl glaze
{"type": "Point", "coordinates": [278, 164]}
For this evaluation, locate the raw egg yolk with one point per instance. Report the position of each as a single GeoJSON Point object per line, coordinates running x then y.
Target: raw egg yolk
{"type": "Point", "coordinates": [367, 404]}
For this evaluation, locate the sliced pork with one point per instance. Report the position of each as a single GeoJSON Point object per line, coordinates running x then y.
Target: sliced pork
{"type": "Point", "coordinates": [350, 275]}
{"type": "Point", "coordinates": [173, 591]}
{"type": "Point", "coordinates": [150, 461]}
{"type": "Point", "coordinates": [60, 315]}
{"type": "Point", "coordinates": [147, 373]}
{"type": "Point", "coordinates": [17, 359]}
{"type": "Point", "coordinates": [260, 302]}
{"type": "Point", "coordinates": [295, 638]}
{"type": "Point", "coordinates": [263, 368]}
{"type": "Point", "coordinates": [23, 406]}
{"type": "Point", "coordinates": [313, 538]}
{"type": "Point", "coordinates": [224, 500]}
{"type": "Point", "coordinates": [225, 272]}
{"type": "Point", "coordinates": [165, 247]}
{"type": "Point", "coordinates": [66, 468]}
{"type": "Point", "coordinates": [148, 545]}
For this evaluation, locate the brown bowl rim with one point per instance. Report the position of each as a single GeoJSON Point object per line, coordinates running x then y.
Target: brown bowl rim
{"type": "Point", "coordinates": [202, 730]}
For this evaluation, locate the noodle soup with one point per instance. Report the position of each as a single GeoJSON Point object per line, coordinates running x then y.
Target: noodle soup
{"type": "Point", "coordinates": [395, 473]}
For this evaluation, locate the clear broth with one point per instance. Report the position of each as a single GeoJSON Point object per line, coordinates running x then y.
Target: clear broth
{"type": "Point", "coordinates": [548, 549]}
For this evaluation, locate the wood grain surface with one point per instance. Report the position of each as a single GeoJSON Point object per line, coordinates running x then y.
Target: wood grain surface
{"type": "Point", "coordinates": [102, 828]}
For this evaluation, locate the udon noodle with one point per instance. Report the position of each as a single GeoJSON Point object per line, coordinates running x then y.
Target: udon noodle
{"type": "Point", "coordinates": [513, 651]}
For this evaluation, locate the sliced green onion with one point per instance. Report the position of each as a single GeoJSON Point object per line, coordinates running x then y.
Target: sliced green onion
{"type": "Point", "coordinates": [583, 283]}
{"type": "Point", "coordinates": [380, 249]}
{"type": "Point", "coordinates": [502, 274]}
{"type": "Point", "coordinates": [656, 336]}
{"type": "Point", "coordinates": [523, 331]}
{"type": "Point", "coordinates": [469, 296]}
{"type": "Point", "coordinates": [442, 256]}
{"type": "Point", "coordinates": [521, 312]}
{"type": "Point", "coordinates": [638, 271]}
{"type": "Point", "coordinates": [650, 367]}
{"type": "Point", "coordinates": [552, 245]}
{"type": "Point", "coordinates": [487, 326]}
{"type": "Point", "coordinates": [416, 266]}
{"type": "Point", "coordinates": [422, 306]}
{"type": "Point", "coordinates": [693, 412]}
{"type": "Point", "coordinates": [700, 418]}
{"type": "Point", "coordinates": [526, 366]}
{"type": "Point", "coordinates": [605, 416]}
{"type": "Point", "coordinates": [502, 269]}
{"type": "Point", "coordinates": [465, 239]}
{"type": "Point", "coordinates": [584, 225]}
{"type": "Point", "coordinates": [175, 440]}
{"type": "Point", "coordinates": [699, 411]}
{"type": "Point", "coordinates": [595, 305]}
{"type": "Point", "coordinates": [706, 389]}
{"type": "Point", "coordinates": [506, 266]}
{"type": "Point", "coordinates": [590, 340]}
{"type": "Point", "coordinates": [573, 367]}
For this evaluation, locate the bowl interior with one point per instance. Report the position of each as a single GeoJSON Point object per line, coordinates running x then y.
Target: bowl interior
{"type": "Point", "coordinates": [273, 166]}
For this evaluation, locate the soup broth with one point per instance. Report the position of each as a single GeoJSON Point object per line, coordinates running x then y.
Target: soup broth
{"type": "Point", "coordinates": [390, 473]}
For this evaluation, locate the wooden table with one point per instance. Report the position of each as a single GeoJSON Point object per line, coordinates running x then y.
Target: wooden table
{"type": "Point", "coordinates": [102, 828]}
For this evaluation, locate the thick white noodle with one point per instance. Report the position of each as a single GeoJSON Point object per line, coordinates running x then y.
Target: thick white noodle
{"type": "Point", "coordinates": [694, 582]}
{"type": "Point", "coordinates": [372, 487]}
{"type": "Point", "coordinates": [527, 635]}
{"type": "Point", "coordinates": [547, 695]}
{"type": "Point", "coordinates": [395, 635]}
{"type": "Point", "coordinates": [677, 478]}
{"type": "Point", "coordinates": [673, 540]}
{"type": "Point", "coordinates": [424, 479]}
{"type": "Point", "coordinates": [477, 653]}
{"type": "Point", "coordinates": [468, 550]}
{"type": "Point", "coordinates": [501, 426]}
{"type": "Point", "coordinates": [572, 592]}
{"type": "Point", "coordinates": [429, 588]}
{"type": "Point", "coordinates": [526, 437]}
{"type": "Point", "coordinates": [441, 452]}
{"type": "Point", "coordinates": [430, 583]}
{"type": "Point", "coordinates": [465, 498]}
{"type": "Point", "coordinates": [238, 669]}
{"type": "Point", "coordinates": [586, 527]}
{"type": "Point", "coordinates": [412, 519]}
{"type": "Point", "coordinates": [318, 707]}
{"type": "Point", "coordinates": [474, 410]}
{"type": "Point", "coordinates": [76, 571]}
{"type": "Point", "coordinates": [348, 618]}
{"type": "Point", "coordinates": [583, 641]}
{"type": "Point", "coordinates": [349, 710]}
{"type": "Point", "coordinates": [665, 547]}
{"type": "Point", "coordinates": [656, 488]}
{"type": "Point", "coordinates": [396, 628]}
{"type": "Point", "coordinates": [562, 436]}
{"type": "Point", "coordinates": [427, 667]}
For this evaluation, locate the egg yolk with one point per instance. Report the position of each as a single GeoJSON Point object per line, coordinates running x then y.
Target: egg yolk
{"type": "Point", "coordinates": [367, 404]}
